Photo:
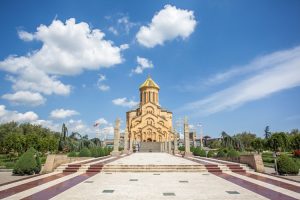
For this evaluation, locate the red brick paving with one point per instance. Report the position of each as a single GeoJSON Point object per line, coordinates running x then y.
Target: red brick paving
{"type": "Point", "coordinates": [273, 182]}
{"type": "Point", "coordinates": [20, 188]}
{"type": "Point", "coordinates": [263, 191]}
{"type": "Point", "coordinates": [59, 188]}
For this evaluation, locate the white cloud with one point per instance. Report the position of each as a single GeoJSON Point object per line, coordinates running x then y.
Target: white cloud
{"type": "Point", "coordinates": [259, 63]}
{"type": "Point", "coordinates": [103, 87]}
{"type": "Point", "coordinates": [101, 121]}
{"type": "Point", "coordinates": [168, 24]}
{"type": "Point", "coordinates": [67, 49]}
{"type": "Point", "coordinates": [100, 84]}
{"type": "Point", "coordinates": [113, 30]}
{"type": "Point", "coordinates": [25, 98]}
{"type": "Point", "coordinates": [124, 102]}
{"type": "Point", "coordinates": [8, 116]}
{"type": "Point", "coordinates": [124, 46]}
{"type": "Point", "coordinates": [278, 73]}
{"type": "Point", "coordinates": [143, 64]}
{"type": "Point", "coordinates": [23, 35]}
{"type": "Point", "coordinates": [126, 23]}
{"type": "Point", "coordinates": [101, 78]}
{"type": "Point", "coordinates": [38, 81]}
{"type": "Point", "coordinates": [62, 113]}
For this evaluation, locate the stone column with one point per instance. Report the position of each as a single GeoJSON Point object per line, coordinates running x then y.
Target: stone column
{"type": "Point", "coordinates": [116, 152]}
{"type": "Point", "coordinates": [166, 146]}
{"type": "Point", "coordinates": [175, 143]}
{"type": "Point", "coordinates": [131, 144]}
{"type": "Point", "coordinates": [187, 152]}
{"type": "Point", "coordinates": [169, 144]}
{"type": "Point", "coordinates": [125, 141]}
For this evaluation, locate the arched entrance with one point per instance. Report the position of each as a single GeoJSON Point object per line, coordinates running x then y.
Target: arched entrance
{"type": "Point", "coordinates": [149, 140]}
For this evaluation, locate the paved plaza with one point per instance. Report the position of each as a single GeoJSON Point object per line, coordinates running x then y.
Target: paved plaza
{"type": "Point", "coordinates": [226, 184]}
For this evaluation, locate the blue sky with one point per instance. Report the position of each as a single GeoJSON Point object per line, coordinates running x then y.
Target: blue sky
{"type": "Point", "coordinates": [230, 65]}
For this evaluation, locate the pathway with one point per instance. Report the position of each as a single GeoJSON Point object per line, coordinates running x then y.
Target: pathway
{"type": "Point", "coordinates": [218, 184]}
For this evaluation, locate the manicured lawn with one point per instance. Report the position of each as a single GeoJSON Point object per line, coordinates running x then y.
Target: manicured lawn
{"type": "Point", "coordinates": [269, 160]}
{"type": "Point", "coordinates": [9, 163]}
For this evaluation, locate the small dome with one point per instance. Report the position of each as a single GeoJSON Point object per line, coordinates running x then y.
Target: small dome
{"type": "Point", "coordinates": [149, 83]}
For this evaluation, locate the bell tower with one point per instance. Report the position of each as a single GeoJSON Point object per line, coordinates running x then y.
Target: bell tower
{"type": "Point", "coordinates": [149, 92]}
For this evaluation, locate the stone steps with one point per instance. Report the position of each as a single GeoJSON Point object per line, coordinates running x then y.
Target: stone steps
{"type": "Point", "coordinates": [154, 168]}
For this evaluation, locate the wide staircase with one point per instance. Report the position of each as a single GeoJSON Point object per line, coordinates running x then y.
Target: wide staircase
{"type": "Point", "coordinates": [154, 168]}
{"type": "Point", "coordinates": [199, 165]}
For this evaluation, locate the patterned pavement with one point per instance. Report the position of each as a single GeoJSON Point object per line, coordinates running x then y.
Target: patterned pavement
{"type": "Point", "coordinates": [232, 183]}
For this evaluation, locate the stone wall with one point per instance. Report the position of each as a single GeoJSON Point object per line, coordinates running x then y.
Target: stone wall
{"type": "Point", "coordinates": [54, 160]}
{"type": "Point", "coordinates": [255, 161]}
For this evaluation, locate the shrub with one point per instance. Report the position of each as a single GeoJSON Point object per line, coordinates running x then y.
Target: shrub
{"type": "Point", "coordinates": [287, 165]}
{"type": "Point", "coordinates": [26, 163]}
{"type": "Point", "coordinates": [199, 152]}
{"type": "Point", "coordinates": [221, 154]}
{"type": "Point", "coordinates": [182, 148]}
{"type": "Point", "coordinates": [210, 154]}
{"type": "Point", "coordinates": [72, 154]}
{"type": "Point", "coordinates": [84, 152]}
{"type": "Point", "coordinates": [233, 154]}
{"type": "Point", "coordinates": [38, 164]}
{"type": "Point", "coordinates": [94, 152]}
{"type": "Point", "coordinates": [100, 151]}
{"type": "Point", "coordinates": [192, 149]}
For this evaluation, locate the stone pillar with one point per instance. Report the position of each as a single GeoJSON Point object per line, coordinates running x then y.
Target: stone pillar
{"type": "Point", "coordinates": [166, 146]}
{"type": "Point", "coordinates": [169, 144]}
{"type": "Point", "coordinates": [175, 143]}
{"type": "Point", "coordinates": [187, 152]}
{"type": "Point", "coordinates": [116, 152]}
{"type": "Point", "coordinates": [125, 141]}
{"type": "Point", "coordinates": [131, 144]}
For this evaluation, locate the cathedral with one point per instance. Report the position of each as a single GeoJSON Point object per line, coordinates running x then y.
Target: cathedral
{"type": "Point", "coordinates": [149, 123]}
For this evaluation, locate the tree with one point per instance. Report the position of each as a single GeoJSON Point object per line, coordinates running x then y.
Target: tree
{"type": "Point", "coordinates": [64, 131]}
{"type": "Point", "coordinates": [267, 132]}
{"type": "Point", "coordinates": [6, 129]}
{"type": "Point", "coordinates": [258, 144]}
{"type": "Point", "coordinates": [63, 144]}
{"type": "Point", "coordinates": [230, 142]}
{"type": "Point", "coordinates": [295, 141]}
{"type": "Point", "coordinates": [96, 141]}
{"type": "Point", "coordinates": [216, 144]}
{"type": "Point", "coordinates": [295, 131]}
{"type": "Point", "coordinates": [14, 142]}
{"type": "Point", "coordinates": [278, 141]}
{"type": "Point", "coordinates": [245, 138]}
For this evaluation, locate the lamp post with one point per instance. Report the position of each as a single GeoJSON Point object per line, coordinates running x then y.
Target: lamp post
{"type": "Point", "coordinates": [201, 132]}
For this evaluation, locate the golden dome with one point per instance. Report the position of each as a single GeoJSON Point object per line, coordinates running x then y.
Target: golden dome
{"type": "Point", "coordinates": [149, 83]}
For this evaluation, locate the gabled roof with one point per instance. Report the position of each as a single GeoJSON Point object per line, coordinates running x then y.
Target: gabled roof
{"type": "Point", "coordinates": [149, 83]}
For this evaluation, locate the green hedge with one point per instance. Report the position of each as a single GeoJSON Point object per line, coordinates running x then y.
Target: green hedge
{"type": "Point", "coordinates": [211, 154]}
{"type": "Point", "coordinates": [72, 154]}
{"type": "Point", "coordinates": [26, 164]}
{"type": "Point", "coordinates": [287, 165]}
{"type": "Point", "coordinates": [199, 152]}
{"type": "Point", "coordinates": [221, 154]}
{"type": "Point", "coordinates": [85, 152]}
{"type": "Point", "coordinates": [233, 154]}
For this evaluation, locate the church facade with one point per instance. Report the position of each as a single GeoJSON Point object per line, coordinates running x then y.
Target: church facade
{"type": "Point", "coordinates": [149, 122]}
